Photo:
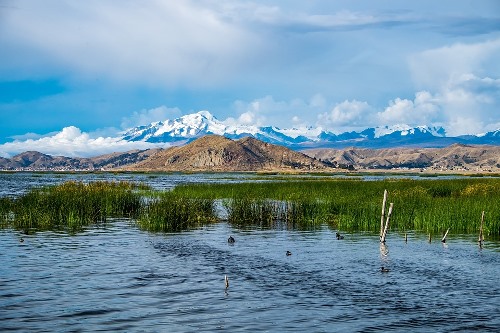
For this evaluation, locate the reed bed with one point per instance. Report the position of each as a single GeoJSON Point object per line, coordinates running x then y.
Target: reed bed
{"type": "Point", "coordinates": [5, 211]}
{"type": "Point", "coordinates": [73, 205]}
{"type": "Point", "coordinates": [169, 212]}
{"type": "Point", "coordinates": [429, 206]}
{"type": "Point", "coordinates": [423, 205]}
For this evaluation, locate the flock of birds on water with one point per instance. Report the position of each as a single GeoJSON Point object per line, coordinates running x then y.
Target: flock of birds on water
{"type": "Point", "coordinates": [231, 240]}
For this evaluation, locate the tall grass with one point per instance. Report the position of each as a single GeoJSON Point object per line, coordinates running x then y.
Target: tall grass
{"type": "Point", "coordinates": [172, 213]}
{"type": "Point", "coordinates": [5, 211]}
{"type": "Point", "coordinates": [425, 205]}
{"type": "Point", "coordinates": [73, 205]}
{"type": "Point", "coordinates": [429, 206]}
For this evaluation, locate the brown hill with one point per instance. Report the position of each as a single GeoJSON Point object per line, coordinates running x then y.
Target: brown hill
{"type": "Point", "coordinates": [217, 153]}
{"type": "Point", "coordinates": [457, 157]}
{"type": "Point", "coordinates": [36, 161]}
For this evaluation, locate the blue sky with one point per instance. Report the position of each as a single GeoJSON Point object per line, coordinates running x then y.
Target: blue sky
{"type": "Point", "coordinates": [75, 73]}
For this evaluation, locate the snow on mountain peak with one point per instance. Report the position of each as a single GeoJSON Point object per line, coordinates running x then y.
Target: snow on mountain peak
{"type": "Point", "coordinates": [192, 126]}
{"type": "Point", "coordinates": [386, 130]}
{"type": "Point", "coordinates": [404, 129]}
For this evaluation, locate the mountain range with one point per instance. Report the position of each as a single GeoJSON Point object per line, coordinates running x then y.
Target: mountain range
{"type": "Point", "coordinates": [200, 142]}
{"type": "Point", "coordinates": [192, 126]}
{"type": "Point", "coordinates": [220, 154]}
{"type": "Point", "coordinates": [457, 157]}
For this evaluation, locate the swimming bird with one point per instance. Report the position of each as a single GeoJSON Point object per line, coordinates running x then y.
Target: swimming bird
{"type": "Point", "coordinates": [230, 239]}
{"type": "Point", "coordinates": [21, 240]}
{"type": "Point", "coordinates": [226, 281]}
{"type": "Point", "coordinates": [384, 270]}
{"type": "Point", "coordinates": [288, 253]}
{"type": "Point", "coordinates": [339, 236]}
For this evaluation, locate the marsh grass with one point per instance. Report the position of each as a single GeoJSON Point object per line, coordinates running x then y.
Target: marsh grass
{"type": "Point", "coordinates": [169, 212]}
{"type": "Point", "coordinates": [73, 205]}
{"type": "Point", "coordinates": [423, 205]}
{"type": "Point", "coordinates": [5, 211]}
{"type": "Point", "coordinates": [429, 206]}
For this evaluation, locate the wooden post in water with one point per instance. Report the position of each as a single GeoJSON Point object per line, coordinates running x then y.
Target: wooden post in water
{"type": "Point", "coordinates": [481, 235]}
{"type": "Point", "coordinates": [382, 239]}
{"type": "Point", "coordinates": [226, 281]}
{"type": "Point", "coordinates": [443, 240]}
{"type": "Point", "coordinates": [382, 217]}
{"type": "Point", "coordinates": [406, 237]}
{"type": "Point", "coordinates": [430, 237]}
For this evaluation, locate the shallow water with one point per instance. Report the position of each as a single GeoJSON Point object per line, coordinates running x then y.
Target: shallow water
{"type": "Point", "coordinates": [118, 278]}
{"type": "Point", "coordinates": [114, 277]}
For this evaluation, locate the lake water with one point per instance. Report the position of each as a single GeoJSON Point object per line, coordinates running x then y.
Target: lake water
{"type": "Point", "coordinates": [114, 277]}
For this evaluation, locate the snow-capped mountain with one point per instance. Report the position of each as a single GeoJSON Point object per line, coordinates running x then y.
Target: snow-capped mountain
{"type": "Point", "coordinates": [192, 126]}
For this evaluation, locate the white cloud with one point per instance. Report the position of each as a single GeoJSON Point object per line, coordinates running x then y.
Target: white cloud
{"type": "Point", "coordinates": [72, 142]}
{"type": "Point", "coordinates": [423, 110]}
{"type": "Point", "coordinates": [346, 115]}
{"type": "Point", "coordinates": [267, 111]}
{"type": "Point", "coordinates": [471, 104]}
{"type": "Point", "coordinates": [157, 42]}
{"type": "Point", "coordinates": [145, 117]}
{"type": "Point", "coordinates": [432, 69]}
{"type": "Point", "coordinates": [465, 85]}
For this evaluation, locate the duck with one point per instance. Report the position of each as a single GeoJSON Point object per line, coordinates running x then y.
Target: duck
{"type": "Point", "coordinates": [21, 240]}
{"type": "Point", "coordinates": [339, 236]}
{"type": "Point", "coordinates": [384, 270]}
{"type": "Point", "coordinates": [230, 239]}
{"type": "Point", "coordinates": [288, 253]}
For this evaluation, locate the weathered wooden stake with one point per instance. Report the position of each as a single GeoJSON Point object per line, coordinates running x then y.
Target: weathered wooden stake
{"type": "Point", "coordinates": [443, 240]}
{"type": "Point", "coordinates": [382, 239]}
{"type": "Point", "coordinates": [382, 217]}
{"type": "Point", "coordinates": [226, 281]}
{"type": "Point", "coordinates": [481, 235]}
{"type": "Point", "coordinates": [406, 237]}
{"type": "Point", "coordinates": [430, 238]}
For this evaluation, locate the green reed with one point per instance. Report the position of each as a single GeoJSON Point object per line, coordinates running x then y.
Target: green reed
{"type": "Point", "coordinates": [73, 205]}
{"type": "Point", "coordinates": [426, 205]}
{"type": "Point", "coordinates": [169, 212]}
{"type": "Point", "coordinates": [5, 211]}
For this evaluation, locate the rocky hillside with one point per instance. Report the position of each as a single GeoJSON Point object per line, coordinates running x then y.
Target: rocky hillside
{"type": "Point", "coordinates": [36, 161]}
{"type": "Point", "coordinates": [457, 157]}
{"type": "Point", "coordinates": [217, 153]}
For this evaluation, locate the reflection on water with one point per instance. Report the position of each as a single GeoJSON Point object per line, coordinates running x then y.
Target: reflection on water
{"type": "Point", "coordinates": [116, 277]}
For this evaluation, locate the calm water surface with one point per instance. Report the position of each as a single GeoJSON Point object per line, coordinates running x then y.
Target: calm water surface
{"type": "Point", "coordinates": [114, 277]}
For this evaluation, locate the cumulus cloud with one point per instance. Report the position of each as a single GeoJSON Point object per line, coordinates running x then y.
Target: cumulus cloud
{"type": "Point", "coordinates": [465, 85]}
{"type": "Point", "coordinates": [470, 104]}
{"type": "Point", "coordinates": [267, 111]}
{"type": "Point", "coordinates": [423, 110]}
{"type": "Point", "coordinates": [435, 68]}
{"type": "Point", "coordinates": [346, 115]}
{"type": "Point", "coordinates": [145, 117]}
{"type": "Point", "coordinates": [72, 142]}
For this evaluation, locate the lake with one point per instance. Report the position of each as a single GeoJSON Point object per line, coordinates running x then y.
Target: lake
{"type": "Point", "coordinates": [115, 277]}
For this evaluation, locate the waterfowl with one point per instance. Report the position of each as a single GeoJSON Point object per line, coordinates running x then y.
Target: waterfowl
{"type": "Point", "coordinates": [288, 253]}
{"type": "Point", "coordinates": [230, 239]}
{"type": "Point", "coordinates": [21, 240]}
{"type": "Point", "coordinates": [384, 270]}
{"type": "Point", "coordinates": [339, 236]}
